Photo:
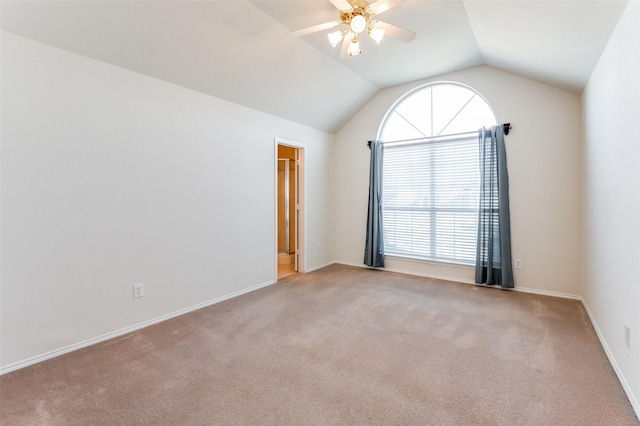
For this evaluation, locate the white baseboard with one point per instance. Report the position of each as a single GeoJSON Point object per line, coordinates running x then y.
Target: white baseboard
{"type": "Point", "coordinates": [358, 265]}
{"type": "Point", "coordinates": [464, 281]}
{"type": "Point", "coordinates": [623, 381]}
{"type": "Point", "coordinates": [417, 274]}
{"type": "Point", "coordinates": [320, 266]}
{"type": "Point", "coordinates": [74, 347]}
{"type": "Point", "coordinates": [547, 293]}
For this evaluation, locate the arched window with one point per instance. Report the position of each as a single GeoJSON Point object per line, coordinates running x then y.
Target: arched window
{"type": "Point", "coordinates": [430, 175]}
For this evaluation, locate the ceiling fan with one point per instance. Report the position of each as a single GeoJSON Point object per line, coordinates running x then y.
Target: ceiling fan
{"type": "Point", "coordinates": [357, 16]}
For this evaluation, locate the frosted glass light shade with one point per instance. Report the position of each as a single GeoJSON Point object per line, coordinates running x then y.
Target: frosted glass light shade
{"type": "Point", "coordinates": [335, 37]}
{"type": "Point", "coordinates": [376, 34]}
{"type": "Point", "coordinates": [354, 48]}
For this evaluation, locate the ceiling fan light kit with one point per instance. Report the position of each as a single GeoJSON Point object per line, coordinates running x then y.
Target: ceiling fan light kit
{"type": "Point", "coordinates": [357, 17]}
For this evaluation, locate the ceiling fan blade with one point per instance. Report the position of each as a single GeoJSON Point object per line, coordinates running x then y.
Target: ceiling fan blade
{"type": "Point", "coordinates": [345, 48]}
{"type": "Point", "coordinates": [314, 28]}
{"type": "Point", "coordinates": [396, 32]}
{"type": "Point", "coordinates": [381, 6]}
{"type": "Point", "coordinates": [341, 4]}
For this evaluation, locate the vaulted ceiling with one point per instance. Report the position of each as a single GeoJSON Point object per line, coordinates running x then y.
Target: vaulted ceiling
{"type": "Point", "coordinates": [240, 51]}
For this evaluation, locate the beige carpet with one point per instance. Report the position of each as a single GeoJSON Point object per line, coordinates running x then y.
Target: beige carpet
{"type": "Point", "coordinates": [339, 346]}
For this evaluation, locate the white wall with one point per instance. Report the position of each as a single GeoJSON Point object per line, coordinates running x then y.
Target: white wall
{"type": "Point", "coordinates": [612, 198]}
{"type": "Point", "coordinates": [111, 178]}
{"type": "Point", "coordinates": [544, 160]}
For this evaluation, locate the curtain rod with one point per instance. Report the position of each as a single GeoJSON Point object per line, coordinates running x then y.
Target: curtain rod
{"type": "Point", "coordinates": [505, 128]}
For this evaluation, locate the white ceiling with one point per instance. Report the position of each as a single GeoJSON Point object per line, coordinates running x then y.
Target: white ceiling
{"type": "Point", "coordinates": [239, 50]}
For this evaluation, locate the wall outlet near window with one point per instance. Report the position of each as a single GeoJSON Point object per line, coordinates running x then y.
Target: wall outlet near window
{"type": "Point", "coordinates": [517, 263]}
{"type": "Point", "coordinates": [627, 336]}
{"type": "Point", "coordinates": [138, 290]}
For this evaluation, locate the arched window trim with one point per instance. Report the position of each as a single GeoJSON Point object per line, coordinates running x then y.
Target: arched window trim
{"type": "Point", "coordinates": [409, 93]}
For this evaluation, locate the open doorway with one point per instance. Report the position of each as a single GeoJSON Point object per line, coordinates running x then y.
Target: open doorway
{"type": "Point", "coordinates": [289, 186]}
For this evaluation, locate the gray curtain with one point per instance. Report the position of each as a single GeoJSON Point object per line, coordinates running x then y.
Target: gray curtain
{"type": "Point", "coordinates": [374, 246]}
{"type": "Point", "coordinates": [493, 254]}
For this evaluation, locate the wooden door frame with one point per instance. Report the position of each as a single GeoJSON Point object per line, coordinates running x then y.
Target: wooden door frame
{"type": "Point", "coordinates": [302, 223]}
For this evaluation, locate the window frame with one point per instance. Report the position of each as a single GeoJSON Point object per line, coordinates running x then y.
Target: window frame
{"type": "Point", "coordinates": [429, 257]}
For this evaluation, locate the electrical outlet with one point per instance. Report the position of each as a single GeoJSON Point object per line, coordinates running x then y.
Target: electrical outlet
{"type": "Point", "coordinates": [138, 290]}
{"type": "Point", "coordinates": [627, 336]}
{"type": "Point", "coordinates": [517, 263]}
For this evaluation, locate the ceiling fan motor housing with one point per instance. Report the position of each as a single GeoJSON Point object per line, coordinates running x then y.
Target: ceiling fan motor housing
{"type": "Point", "coordinates": [346, 16]}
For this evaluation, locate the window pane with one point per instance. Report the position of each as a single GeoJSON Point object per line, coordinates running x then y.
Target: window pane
{"type": "Point", "coordinates": [475, 115]}
{"type": "Point", "coordinates": [430, 200]}
{"type": "Point", "coordinates": [448, 100]}
{"type": "Point", "coordinates": [398, 128]}
{"type": "Point", "coordinates": [416, 108]}
{"type": "Point", "coordinates": [431, 188]}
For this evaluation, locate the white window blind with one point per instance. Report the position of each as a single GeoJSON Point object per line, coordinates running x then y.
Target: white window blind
{"type": "Point", "coordinates": [430, 199]}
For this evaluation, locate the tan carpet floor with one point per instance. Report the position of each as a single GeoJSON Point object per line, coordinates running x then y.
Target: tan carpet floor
{"type": "Point", "coordinates": [338, 346]}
